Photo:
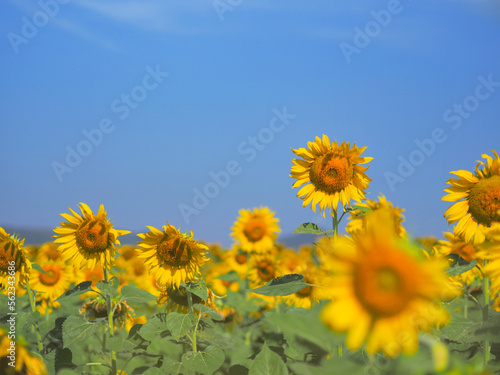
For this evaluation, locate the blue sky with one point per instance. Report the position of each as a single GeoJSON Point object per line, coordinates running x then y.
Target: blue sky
{"type": "Point", "coordinates": [175, 90]}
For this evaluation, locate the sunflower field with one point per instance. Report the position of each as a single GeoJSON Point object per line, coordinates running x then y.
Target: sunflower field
{"type": "Point", "coordinates": [370, 301]}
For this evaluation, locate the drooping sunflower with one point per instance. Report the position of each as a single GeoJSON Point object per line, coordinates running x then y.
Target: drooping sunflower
{"type": "Point", "coordinates": [256, 230]}
{"type": "Point", "coordinates": [51, 283]}
{"type": "Point", "coordinates": [177, 299]}
{"type": "Point", "coordinates": [477, 197]}
{"type": "Point", "coordinates": [13, 257]}
{"type": "Point", "coordinates": [358, 217]}
{"type": "Point", "coordinates": [98, 309]}
{"type": "Point", "coordinates": [330, 172]}
{"type": "Point", "coordinates": [23, 363]}
{"type": "Point", "coordinates": [175, 257]}
{"type": "Point", "coordinates": [384, 290]}
{"type": "Point", "coordinates": [87, 239]}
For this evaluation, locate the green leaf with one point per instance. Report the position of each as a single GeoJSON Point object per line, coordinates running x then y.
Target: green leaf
{"type": "Point", "coordinates": [77, 290]}
{"type": "Point", "coordinates": [283, 286]}
{"type": "Point", "coordinates": [135, 295]}
{"type": "Point", "coordinates": [268, 362]}
{"type": "Point", "coordinates": [198, 288]}
{"type": "Point", "coordinates": [362, 211]}
{"type": "Point", "coordinates": [152, 328]}
{"type": "Point", "coordinates": [205, 362]}
{"type": "Point", "coordinates": [154, 371]}
{"type": "Point", "coordinates": [457, 270]}
{"type": "Point", "coordinates": [204, 309]}
{"type": "Point", "coordinates": [310, 228]}
{"type": "Point", "coordinates": [110, 288]}
{"type": "Point", "coordinates": [238, 370]}
{"type": "Point", "coordinates": [180, 324]}
{"type": "Point", "coordinates": [307, 325]}
{"type": "Point", "coordinates": [37, 267]}
{"type": "Point", "coordinates": [76, 329]}
{"type": "Point", "coordinates": [26, 320]}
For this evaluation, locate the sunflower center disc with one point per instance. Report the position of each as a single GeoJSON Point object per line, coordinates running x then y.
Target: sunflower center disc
{"type": "Point", "coordinates": [50, 277]}
{"type": "Point", "coordinates": [384, 285]}
{"type": "Point", "coordinates": [92, 236]}
{"type": "Point", "coordinates": [265, 271]}
{"type": "Point", "coordinates": [241, 258]}
{"type": "Point", "coordinates": [484, 200]}
{"type": "Point", "coordinates": [174, 251]}
{"type": "Point", "coordinates": [6, 255]}
{"type": "Point", "coordinates": [331, 173]}
{"type": "Point", "coordinates": [255, 229]}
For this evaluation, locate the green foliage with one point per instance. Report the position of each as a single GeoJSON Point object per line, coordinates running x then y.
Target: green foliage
{"type": "Point", "coordinates": [204, 362]}
{"type": "Point", "coordinates": [311, 228]}
{"type": "Point", "coordinates": [75, 329]}
{"type": "Point", "coordinates": [282, 286]}
{"type": "Point", "coordinates": [458, 269]}
{"type": "Point", "coordinates": [268, 363]}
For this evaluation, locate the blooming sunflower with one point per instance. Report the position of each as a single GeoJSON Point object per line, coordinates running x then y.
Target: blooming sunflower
{"type": "Point", "coordinates": [13, 254]}
{"type": "Point", "coordinates": [237, 260]}
{"type": "Point", "coordinates": [263, 269]}
{"type": "Point", "coordinates": [490, 251]}
{"type": "Point", "coordinates": [174, 256]}
{"type": "Point", "coordinates": [454, 244]}
{"type": "Point", "coordinates": [358, 217]}
{"type": "Point", "coordinates": [51, 283]}
{"type": "Point", "coordinates": [87, 239]}
{"type": "Point", "coordinates": [256, 230]}
{"type": "Point", "coordinates": [23, 362]}
{"type": "Point", "coordinates": [384, 290]}
{"type": "Point", "coordinates": [331, 172]}
{"type": "Point", "coordinates": [477, 197]}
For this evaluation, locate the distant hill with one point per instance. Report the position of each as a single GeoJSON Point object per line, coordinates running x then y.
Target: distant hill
{"type": "Point", "coordinates": [36, 236]}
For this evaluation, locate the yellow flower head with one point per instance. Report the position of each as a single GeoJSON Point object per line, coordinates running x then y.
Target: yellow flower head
{"type": "Point", "coordinates": [263, 268]}
{"type": "Point", "coordinates": [358, 218]}
{"type": "Point", "coordinates": [331, 172]}
{"type": "Point", "coordinates": [256, 230]}
{"type": "Point", "coordinates": [13, 259]}
{"type": "Point", "coordinates": [88, 239]}
{"type": "Point", "coordinates": [53, 282]}
{"type": "Point", "coordinates": [384, 290]}
{"type": "Point", "coordinates": [175, 257]}
{"type": "Point", "coordinates": [477, 197]}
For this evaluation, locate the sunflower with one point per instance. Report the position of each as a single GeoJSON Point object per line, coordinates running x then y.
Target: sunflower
{"type": "Point", "coordinates": [490, 251]}
{"type": "Point", "coordinates": [256, 230]}
{"type": "Point", "coordinates": [237, 260]}
{"type": "Point", "coordinates": [51, 283]}
{"type": "Point", "coordinates": [309, 295]}
{"type": "Point", "coordinates": [98, 309]}
{"type": "Point", "coordinates": [477, 197]}
{"type": "Point", "coordinates": [87, 239]}
{"type": "Point", "coordinates": [22, 361]}
{"type": "Point", "coordinates": [13, 258]}
{"type": "Point", "coordinates": [462, 251]}
{"type": "Point", "coordinates": [177, 299]}
{"type": "Point", "coordinates": [384, 290]}
{"type": "Point", "coordinates": [263, 269]}
{"type": "Point", "coordinates": [174, 256]}
{"type": "Point", "coordinates": [358, 217]}
{"type": "Point", "coordinates": [333, 171]}
{"type": "Point", "coordinates": [48, 252]}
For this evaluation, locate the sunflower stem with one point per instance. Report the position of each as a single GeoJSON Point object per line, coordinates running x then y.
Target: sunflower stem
{"type": "Point", "coordinates": [190, 303]}
{"type": "Point", "coordinates": [335, 224]}
{"type": "Point", "coordinates": [110, 318]}
{"type": "Point", "coordinates": [486, 301]}
{"type": "Point", "coordinates": [31, 296]}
